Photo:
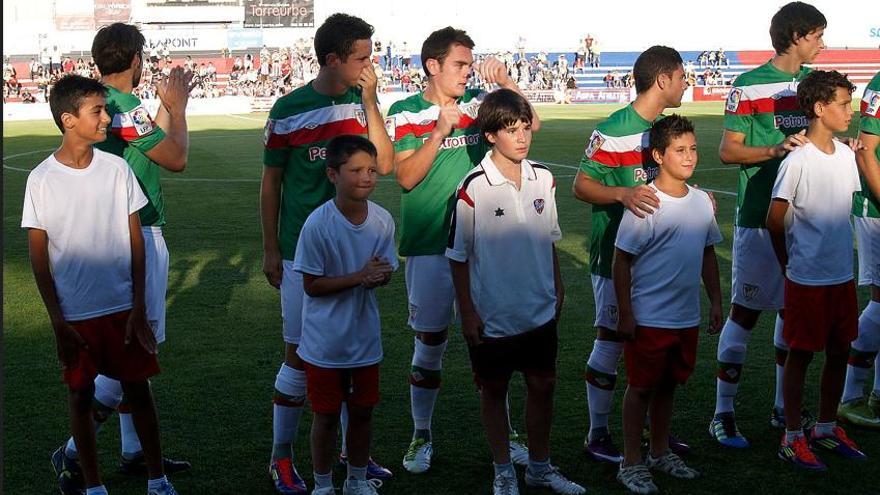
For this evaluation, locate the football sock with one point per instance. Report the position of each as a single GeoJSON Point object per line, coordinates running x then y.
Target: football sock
{"type": "Point", "coordinates": [506, 469]}
{"type": "Point", "coordinates": [131, 444]}
{"type": "Point", "coordinates": [731, 356]}
{"type": "Point", "coordinates": [600, 376]}
{"type": "Point", "coordinates": [357, 473]}
{"type": "Point", "coordinates": [791, 436]}
{"type": "Point", "coordinates": [96, 490]}
{"type": "Point", "coordinates": [538, 468]}
{"type": "Point", "coordinates": [424, 379]}
{"type": "Point", "coordinates": [824, 429]}
{"type": "Point", "coordinates": [781, 351]}
{"type": "Point", "coordinates": [862, 354]}
{"type": "Point", "coordinates": [156, 483]}
{"type": "Point", "coordinates": [289, 398]}
{"type": "Point", "coordinates": [323, 480]}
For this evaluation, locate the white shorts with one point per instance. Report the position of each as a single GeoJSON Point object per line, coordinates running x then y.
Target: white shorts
{"type": "Point", "coordinates": [757, 282]}
{"type": "Point", "coordinates": [606, 302]}
{"type": "Point", "coordinates": [868, 239]}
{"type": "Point", "coordinates": [156, 261]}
{"type": "Point", "coordinates": [291, 302]}
{"type": "Point", "coordinates": [430, 292]}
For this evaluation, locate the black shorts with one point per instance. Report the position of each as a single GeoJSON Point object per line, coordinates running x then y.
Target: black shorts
{"type": "Point", "coordinates": [533, 353]}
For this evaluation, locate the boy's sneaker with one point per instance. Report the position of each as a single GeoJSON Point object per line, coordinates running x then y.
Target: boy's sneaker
{"type": "Point", "coordinates": [375, 471]}
{"type": "Point", "coordinates": [723, 429]}
{"type": "Point", "coordinates": [164, 489]}
{"type": "Point", "coordinates": [327, 490]}
{"type": "Point", "coordinates": [603, 449]}
{"type": "Point", "coordinates": [839, 443]}
{"type": "Point", "coordinates": [137, 466]}
{"type": "Point", "coordinates": [68, 473]}
{"type": "Point", "coordinates": [554, 480]}
{"type": "Point", "coordinates": [519, 449]}
{"type": "Point", "coordinates": [637, 479]}
{"type": "Point", "coordinates": [671, 464]}
{"type": "Point", "coordinates": [418, 456]}
{"type": "Point", "coordinates": [677, 446]}
{"type": "Point", "coordinates": [505, 484]}
{"type": "Point", "coordinates": [857, 412]}
{"type": "Point", "coordinates": [799, 454]}
{"type": "Point", "coordinates": [777, 419]}
{"type": "Point", "coordinates": [361, 487]}
{"type": "Point", "coordinates": [285, 478]}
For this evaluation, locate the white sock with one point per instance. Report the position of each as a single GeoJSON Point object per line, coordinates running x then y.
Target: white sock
{"type": "Point", "coordinates": [427, 363]}
{"type": "Point", "coordinates": [96, 490]}
{"type": "Point", "coordinates": [781, 353]}
{"type": "Point", "coordinates": [155, 483]}
{"type": "Point", "coordinates": [862, 356]}
{"type": "Point", "coordinates": [731, 355]}
{"type": "Point", "coordinates": [824, 429]}
{"type": "Point", "coordinates": [131, 444]}
{"type": "Point", "coordinates": [600, 377]}
{"type": "Point", "coordinates": [290, 396]}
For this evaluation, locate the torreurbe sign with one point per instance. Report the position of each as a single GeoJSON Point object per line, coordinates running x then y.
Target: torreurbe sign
{"type": "Point", "coordinates": [279, 13]}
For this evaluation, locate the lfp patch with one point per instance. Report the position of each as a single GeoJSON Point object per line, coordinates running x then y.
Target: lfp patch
{"type": "Point", "coordinates": [141, 120]}
{"type": "Point", "coordinates": [733, 99]}
{"type": "Point", "coordinates": [596, 141]}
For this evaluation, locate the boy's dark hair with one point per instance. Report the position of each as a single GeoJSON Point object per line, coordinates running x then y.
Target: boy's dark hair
{"type": "Point", "coordinates": [68, 93]}
{"type": "Point", "coordinates": [500, 109]}
{"type": "Point", "coordinates": [338, 35]}
{"type": "Point", "coordinates": [341, 148]}
{"type": "Point", "coordinates": [667, 129]}
{"type": "Point", "coordinates": [652, 63]}
{"type": "Point", "coordinates": [115, 46]}
{"type": "Point", "coordinates": [438, 44]}
{"type": "Point", "coordinates": [820, 86]}
{"type": "Point", "coordinates": [792, 21]}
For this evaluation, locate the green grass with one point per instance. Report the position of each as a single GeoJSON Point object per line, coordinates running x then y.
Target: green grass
{"type": "Point", "coordinates": [224, 342]}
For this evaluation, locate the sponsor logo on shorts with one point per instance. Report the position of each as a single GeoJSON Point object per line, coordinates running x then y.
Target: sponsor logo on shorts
{"type": "Point", "coordinates": [790, 121]}
{"type": "Point", "coordinates": [317, 153]}
{"type": "Point", "coordinates": [733, 99]}
{"type": "Point", "coordinates": [539, 205]}
{"type": "Point", "coordinates": [750, 291]}
{"type": "Point", "coordinates": [613, 314]}
{"type": "Point", "coordinates": [413, 311]}
{"type": "Point", "coordinates": [596, 141]}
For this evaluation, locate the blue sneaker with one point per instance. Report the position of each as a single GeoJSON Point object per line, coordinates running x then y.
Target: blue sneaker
{"type": "Point", "coordinates": [68, 473]}
{"type": "Point", "coordinates": [285, 478]}
{"type": "Point", "coordinates": [799, 454]}
{"type": "Point", "coordinates": [838, 443]}
{"type": "Point", "coordinates": [164, 489]}
{"type": "Point", "coordinates": [375, 471]}
{"type": "Point", "coordinates": [723, 429]}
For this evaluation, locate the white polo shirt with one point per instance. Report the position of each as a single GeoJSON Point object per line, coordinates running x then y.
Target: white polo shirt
{"type": "Point", "coordinates": [818, 234]}
{"type": "Point", "coordinates": [506, 235]}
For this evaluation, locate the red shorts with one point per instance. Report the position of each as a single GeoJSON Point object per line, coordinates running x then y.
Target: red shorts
{"type": "Point", "coordinates": [329, 387]}
{"type": "Point", "coordinates": [656, 355]}
{"type": "Point", "coordinates": [820, 316]}
{"type": "Point", "coordinates": [107, 353]}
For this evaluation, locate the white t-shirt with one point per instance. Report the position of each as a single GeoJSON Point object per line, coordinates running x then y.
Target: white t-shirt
{"type": "Point", "coordinates": [668, 248]}
{"type": "Point", "coordinates": [507, 237]}
{"type": "Point", "coordinates": [818, 234]}
{"type": "Point", "coordinates": [85, 215]}
{"type": "Point", "coordinates": [342, 330]}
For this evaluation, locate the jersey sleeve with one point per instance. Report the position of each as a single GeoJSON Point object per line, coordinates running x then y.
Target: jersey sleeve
{"type": "Point", "coordinates": [461, 234]}
{"type": "Point", "coordinates": [634, 233]}
{"type": "Point", "coordinates": [309, 257]}
{"type": "Point", "coordinates": [788, 178]}
{"type": "Point", "coordinates": [136, 127]}
{"type": "Point", "coordinates": [596, 164]}
{"type": "Point", "coordinates": [870, 112]}
{"type": "Point", "coordinates": [30, 212]}
{"type": "Point", "coordinates": [403, 135]}
{"type": "Point", "coordinates": [737, 116]}
{"type": "Point", "coordinates": [276, 149]}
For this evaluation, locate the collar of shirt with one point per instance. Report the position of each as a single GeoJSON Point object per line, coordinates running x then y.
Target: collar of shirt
{"type": "Point", "coordinates": [496, 178]}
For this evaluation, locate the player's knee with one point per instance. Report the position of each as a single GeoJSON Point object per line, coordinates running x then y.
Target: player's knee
{"type": "Point", "coordinates": [607, 334]}
{"type": "Point", "coordinates": [291, 358]}
{"type": "Point", "coordinates": [541, 385]}
{"type": "Point", "coordinates": [743, 316]}
{"type": "Point", "coordinates": [433, 338]}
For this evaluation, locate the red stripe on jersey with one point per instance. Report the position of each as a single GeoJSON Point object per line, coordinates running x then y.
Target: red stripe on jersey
{"type": "Point", "coordinates": [617, 159]}
{"type": "Point", "coordinates": [125, 133]}
{"type": "Point", "coordinates": [323, 132]}
{"type": "Point", "coordinates": [463, 195]}
{"type": "Point", "coordinates": [768, 105]}
{"type": "Point", "coordinates": [418, 130]}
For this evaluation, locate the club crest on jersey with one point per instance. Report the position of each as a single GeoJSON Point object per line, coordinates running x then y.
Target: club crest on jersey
{"type": "Point", "coordinates": [267, 131]}
{"type": "Point", "coordinates": [141, 120]}
{"type": "Point", "coordinates": [539, 205]}
{"type": "Point", "coordinates": [390, 128]}
{"type": "Point", "coordinates": [596, 141]}
{"type": "Point", "coordinates": [733, 99]}
{"type": "Point", "coordinates": [471, 110]}
{"type": "Point", "coordinates": [361, 117]}
{"type": "Point", "coordinates": [750, 291]}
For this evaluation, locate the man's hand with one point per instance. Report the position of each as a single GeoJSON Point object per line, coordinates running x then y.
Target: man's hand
{"type": "Point", "coordinates": [626, 326]}
{"type": "Point", "coordinates": [174, 90]}
{"type": "Point", "coordinates": [449, 117]}
{"type": "Point", "coordinates": [374, 272]}
{"type": "Point", "coordinates": [68, 342]}
{"type": "Point", "coordinates": [790, 143]}
{"type": "Point", "coordinates": [138, 329]}
{"type": "Point", "coordinates": [272, 268]}
{"type": "Point", "coordinates": [493, 71]}
{"type": "Point", "coordinates": [640, 200]}
{"type": "Point", "coordinates": [715, 319]}
{"type": "Point", "coordinates": [471, 328]}
{"type": "Point", "coordinates": [854, 144]}
{"type": "Point", "coordinates": [368, 83]}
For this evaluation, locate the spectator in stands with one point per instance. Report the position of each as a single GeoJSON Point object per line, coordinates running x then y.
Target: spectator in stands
{"type": "Point", "coordinates": [237, 65]}
{"type": "Point", "coordinates": [154, 54]}
{"type": "Point", "coordinates": [596, 53]}
{"type": "Point", "coordinates": [27, 97]}
{"type": "Point", "coordinates": [407, 56]}
{"type": "Point", "coordinates": [264, 56]}
{"type": "Point", "coordinates": [588, 46]}
{"type": "Point", "coordinates": [166, 53]}
{"type": "Point", "coordinates": [580, 57]}
{"type": "Point", "coordinates": [56, 58]}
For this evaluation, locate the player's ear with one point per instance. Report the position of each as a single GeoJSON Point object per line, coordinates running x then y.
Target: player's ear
{"type": "Point", "coordinates": [657, 155]}
{"type": "Point", "coordinates": [68, 120]}
{"type": "Point", "coordinates": [490, 137]}
{"type": "Point", "coordinates": [331, 175]}
{"type": "Point", "coordinates": [433, 66]}
{"type": "Point", "coordinates": [819, 108]}
{"type": "Point", "coordinates": [332, 59]}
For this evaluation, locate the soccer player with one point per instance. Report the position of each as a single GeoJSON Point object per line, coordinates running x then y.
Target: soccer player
{"type": "Point", "coordinates": [146, 145]}
{"type": "Point", "coordinates": [762, 123]}
{"type": "Point", "coordinates": [810, 228]}
{"type": "Point", "coordinates": [340, 100]}
{"type": "Point", "coordinates": [506, 217]}
{"type": "Point", "coordinates": [87, 253]}
{"type": "Point", "coordinates": [345, 250]}
{"type": "Point", "coordinates": [436, 142]}
{"type": "Point", "coordinates": [613, 174]}
{"type": "Point", "coordinates": [863, 353]}
{"type": "Point", "coordinates": [659, 260]}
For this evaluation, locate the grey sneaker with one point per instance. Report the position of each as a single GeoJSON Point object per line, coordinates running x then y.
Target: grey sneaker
{"type": "Point", "coordinates": [671, 464]}
{"type": "Point", "coordinates": [637, 479]}
{"type": "Point", "coordinates": [505, 484]}
{"type": "Point", "coordinates": [555, 481]}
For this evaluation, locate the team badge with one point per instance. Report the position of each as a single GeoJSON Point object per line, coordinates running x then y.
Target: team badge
{"type": "Point", "coordinates": [141, 120]}
{"type": "Point", "coordinates": [596, 142]}
{"type": "Point", "coordinates": [750, 292]}
{"type": "Point", "coordinates": [390, 128]}
{"type": "Point", "coordinates": [471, 110]}
{"type": "Point", "coordinates": [361, 117]}
{"type": "Point", "coordinates": [733, 99]}
{"type": "Point", "coordinates": [267, 131]}
{"type": "Point", "coordinates": [539, 205]}
{"type": "Point", "coordinates": [874, 106]}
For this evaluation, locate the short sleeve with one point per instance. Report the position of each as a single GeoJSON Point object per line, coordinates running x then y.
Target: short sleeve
{"type": "Point", "coordinates": [634, 233]}
{"type": "Point", "coordinates": [461, 234]}
{"type": "Point", "coordinates": [387, 249]}
{"type": "Point", "coordinates": [870, 112]}
{"type": "Point", "coordinates": [136, 197]}
{"type": "Point", "coordinates": [137, 128]}
{"type": "Point", "coordinates": [30, 216]}
{"type": "Point", "coordinates": [309, 256]}
{"type": "Point", "coordinates": [737, 113]}
{"type": "Point", "coordinates": [594, 163]}
{"type": "Point", "coordinates": [788, 178]}
{"type": "Point", "coordinates": [403, 134]}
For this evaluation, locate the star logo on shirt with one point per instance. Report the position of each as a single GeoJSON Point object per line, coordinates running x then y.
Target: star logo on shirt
{"type": "Point", "coordinates": [499, 212]}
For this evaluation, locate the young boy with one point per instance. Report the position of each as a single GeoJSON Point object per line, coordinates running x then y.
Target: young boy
{"type": "Point", "coordinates": [659, 260]}
{"type": "Point", "coordinates": [813, 243]}
{"type": "Point", "coordinates": [87, 253]}
{"type": "Point", "coordinates": [345, 250]}
{"type": "Point", "coordinates": [854, 408]}
{"type": "Point", "coordinates": [507, 281]}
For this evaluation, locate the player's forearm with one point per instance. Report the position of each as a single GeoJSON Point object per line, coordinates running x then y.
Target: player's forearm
{"type": "Point", "coordinates": [621, 273]}
{"type": "Point", "coordinates": [316, 286]}
{"type": "Point", "coordinates": [735, 153]}
{"type": "Point", "coordinates": [270, 202]}
{"type": "Point", "coordinates": [593, 192]}
{"type": "Point", "coordinates": [138, 262]}
{"type": "Point", "coordinates": [461, 280]}
{"type": "Point", "coordinates": [414, 168]}
{"type": "Point", "coordinates": [377, 135]}
{"type": "Point", "coordinates": [710, 275]}
{"type": "Point", "coordinates": [776, 229]}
